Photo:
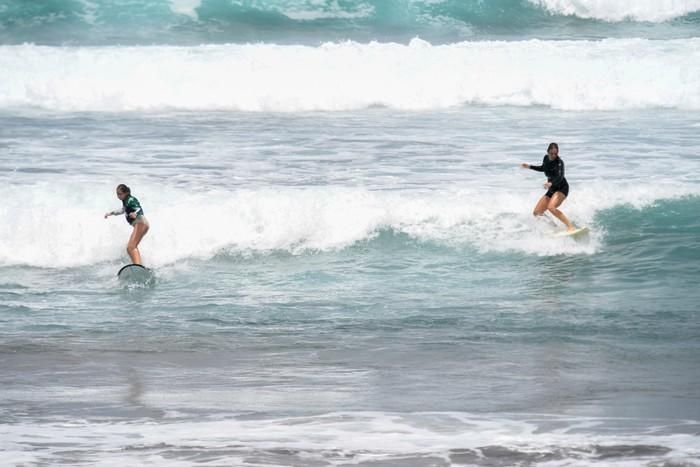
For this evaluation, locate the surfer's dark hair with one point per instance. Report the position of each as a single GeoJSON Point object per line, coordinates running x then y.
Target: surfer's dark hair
{"type": "Point", "coordinates": [124, 189]}
{"type": "Point", "coordinates": [552, 145]}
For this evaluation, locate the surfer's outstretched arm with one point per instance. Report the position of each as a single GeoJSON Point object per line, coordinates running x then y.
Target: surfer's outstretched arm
{"type": "Point", "coordinates": [536, 168]}
{"type": "Point", "coordinates": [114, 213]}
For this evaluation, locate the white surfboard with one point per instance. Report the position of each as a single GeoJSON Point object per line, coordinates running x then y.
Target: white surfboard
{"type": "Point", "coordinates": [135, 274]}
{"type": "Point", "coordinates": [579, 231]}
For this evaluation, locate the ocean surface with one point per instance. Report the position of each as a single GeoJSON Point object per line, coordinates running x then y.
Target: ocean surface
{"type": "Point", "coordinates": [347, 270]}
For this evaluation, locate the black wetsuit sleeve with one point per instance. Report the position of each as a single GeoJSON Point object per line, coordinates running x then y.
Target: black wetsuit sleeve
{"type": "Point", "coordinates": [539, 168]}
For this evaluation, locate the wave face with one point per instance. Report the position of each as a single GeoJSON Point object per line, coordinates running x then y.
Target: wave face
{"type": "Point", "coordinates": [307, 220]}
{"type": "Point", "coordinates": [198, 21]}
{"type": "Point", "coordinates": [574, 75]}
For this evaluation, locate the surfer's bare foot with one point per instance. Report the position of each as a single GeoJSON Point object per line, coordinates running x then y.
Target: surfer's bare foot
{"type": "Point", "coordinates": [570, 228]}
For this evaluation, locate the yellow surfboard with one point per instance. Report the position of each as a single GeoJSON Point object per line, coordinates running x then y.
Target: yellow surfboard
{"type": "Point", "coordinates": [574, 233]}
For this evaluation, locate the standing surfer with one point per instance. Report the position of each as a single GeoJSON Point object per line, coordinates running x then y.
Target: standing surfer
{"type": "Point", "coordinates": [557, 186]}
{"type": "Point", "coordinates": [135, 217]}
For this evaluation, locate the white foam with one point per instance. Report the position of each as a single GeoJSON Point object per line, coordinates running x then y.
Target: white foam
{"type": "Point", "coordinates": [185, 7]}
{"type": "Point", "coordinates": [316, 10]}
{"type": "Point", "coordinates": [335, 438]}
{"type": "Point", "coordinates": [579, 75]}
{"type": "Point", "coordinates": [51, 226]}
{"type": "Point", "coordinates": [620, 10]}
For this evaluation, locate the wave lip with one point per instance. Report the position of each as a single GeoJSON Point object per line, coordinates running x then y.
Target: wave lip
{"type": "Point", "coordinates": [297, 221]}
{"type": "Point", "coordinates": [655, 11]}
{"type": "Point", "coordinates": [574, 75]}
{"type": "Point", "coordinates": [193, 22]}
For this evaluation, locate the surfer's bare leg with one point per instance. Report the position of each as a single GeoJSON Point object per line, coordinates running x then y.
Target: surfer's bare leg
{"type": "Point", "coordinates": [541, 206]}
{"type": "Point", "coordinates": [554, 203]}
{"type": "Point", "coordinates": [140, 229]}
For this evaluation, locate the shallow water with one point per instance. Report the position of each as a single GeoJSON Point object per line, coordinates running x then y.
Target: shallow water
{"type": "Point", "coordinates": [355, 287]}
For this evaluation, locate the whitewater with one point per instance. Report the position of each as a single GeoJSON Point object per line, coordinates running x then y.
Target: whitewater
{"type": "Point", "coordinates": [573, 75]}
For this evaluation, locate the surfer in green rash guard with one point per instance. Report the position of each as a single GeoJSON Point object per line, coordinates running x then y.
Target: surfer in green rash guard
{"type": "Point", "coordinates": [133, 211]}
{"type": "Point", "coordinates": [557, 186]}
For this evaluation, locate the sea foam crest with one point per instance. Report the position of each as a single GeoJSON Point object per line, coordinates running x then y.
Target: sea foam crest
{"type": "Point", "coordinates": [620, 10]}
{"type": "Point", "coordinates": [580, 75]}
{"type": "Point", "coordinates": [65, 228]}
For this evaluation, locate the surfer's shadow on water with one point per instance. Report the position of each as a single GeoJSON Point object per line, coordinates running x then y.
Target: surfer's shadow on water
{"type": "Point", "coordinates": [135, 394]}
{"type": "Point", "coordinates": [557, 282]}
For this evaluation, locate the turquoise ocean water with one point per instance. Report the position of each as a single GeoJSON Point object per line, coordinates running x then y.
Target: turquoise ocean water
{"type": "Point", "coordinates": [347, 270]}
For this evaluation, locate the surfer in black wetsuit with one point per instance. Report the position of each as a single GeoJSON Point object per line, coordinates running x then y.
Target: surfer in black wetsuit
{"type": "Point", "coordinates": [557, 186]}
{"type": "Point", "coordinates": [134, 216]}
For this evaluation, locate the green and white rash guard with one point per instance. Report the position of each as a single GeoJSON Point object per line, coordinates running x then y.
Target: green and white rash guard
{"type": "Point", "coordinates": [130, 204]}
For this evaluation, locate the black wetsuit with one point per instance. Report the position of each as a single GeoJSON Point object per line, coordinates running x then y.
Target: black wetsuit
{"type": "Point", "coordinates": [554, 170]}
